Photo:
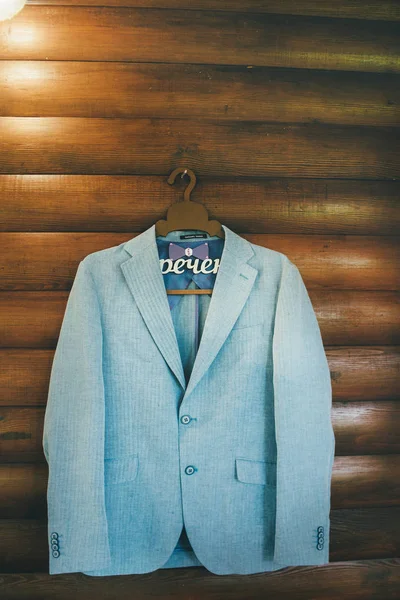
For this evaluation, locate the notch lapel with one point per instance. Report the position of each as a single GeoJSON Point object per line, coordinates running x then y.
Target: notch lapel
{"type": "Point", "coordinates": [143, 275]}
{"type": "Point", "coordinates": [233, 283]}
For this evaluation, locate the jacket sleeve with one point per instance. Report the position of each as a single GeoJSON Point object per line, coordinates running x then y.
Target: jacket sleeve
{"type": "Point", "coordinates": [304, 433]}
{"type": "Point", "coordinates": [73, 437]}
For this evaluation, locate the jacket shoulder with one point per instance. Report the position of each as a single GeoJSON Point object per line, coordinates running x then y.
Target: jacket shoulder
{"type": "Point", "coordinates": [104, 257]}
{"type": "Point", "coordinates": [270, 258]}
{"type": "Point", "coordinates": [103, 266]}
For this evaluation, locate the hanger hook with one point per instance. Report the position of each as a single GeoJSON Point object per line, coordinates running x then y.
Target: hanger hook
{"type": "Point", "coordinates": [184, 171]}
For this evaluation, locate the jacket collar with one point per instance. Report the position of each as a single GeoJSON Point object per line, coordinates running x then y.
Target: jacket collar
{"type": "Point", "coordinates": [234, 281]}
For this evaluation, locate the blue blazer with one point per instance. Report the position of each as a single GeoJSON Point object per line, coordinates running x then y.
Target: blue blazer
{"type": "Point", "coordinates": [248, 474]}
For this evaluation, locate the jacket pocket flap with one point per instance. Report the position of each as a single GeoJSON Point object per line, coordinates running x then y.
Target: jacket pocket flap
{"type": "Point", "coordinates": [256, 471]}
{"type": "Point", "coordinates": [118, 470]}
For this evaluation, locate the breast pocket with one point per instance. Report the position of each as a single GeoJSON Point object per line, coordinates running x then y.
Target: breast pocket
{"type": "Point", "coordinates": [261, 472]}
{"type": "Point", "coordinates": [121, 469]}
{"type": "Point", "coordinates": [248, 319]}
{"type": "Point", "coordinates": [248, 334]}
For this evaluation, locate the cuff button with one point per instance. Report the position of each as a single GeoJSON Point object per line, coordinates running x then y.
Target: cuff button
{"type": "Point", "coordinates": [56, 553]}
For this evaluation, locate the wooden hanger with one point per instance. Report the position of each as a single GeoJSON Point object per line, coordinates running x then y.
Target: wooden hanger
{"type": "Point", "coordinates": [187, 215]}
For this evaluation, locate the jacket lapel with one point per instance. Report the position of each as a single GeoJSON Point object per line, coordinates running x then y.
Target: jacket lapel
{"type": "Point", "coordinates": [143, 275]}
{"type": "Point", "coordinates": [233, 283]}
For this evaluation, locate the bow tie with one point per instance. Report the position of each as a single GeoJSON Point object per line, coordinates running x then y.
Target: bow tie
{"type": "Point", "coordinates": [176, 251]}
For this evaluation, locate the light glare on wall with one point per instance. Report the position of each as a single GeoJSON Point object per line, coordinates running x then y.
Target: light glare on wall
{"type": "Point", "coordinates": [9, 8]}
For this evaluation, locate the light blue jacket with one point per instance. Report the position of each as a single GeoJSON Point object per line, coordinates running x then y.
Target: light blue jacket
{"type": "Point", "coordinates": [248, 474]}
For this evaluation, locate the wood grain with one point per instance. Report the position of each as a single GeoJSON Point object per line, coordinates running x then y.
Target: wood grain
{"type": "Point", "coordinates": [48, 261]}
{"type": "Point", "coordinates": [365, 481]}
{"type": "Point", "coordinates": [223, 92]}
{"type": "Point", "coordinates": [365, 533]}
{"type": "Point", "coordinates": [359, 373]}
{"type": "Point", "coordinates": [130, 203]}
{"type": "Point", "coordinates": [154, 146]}
{"type": "Point", "coordinates": [154, 35]}
{"type": "Point", "coordinates": [366, 427]}
{"type": "Point", "coordinates": [357, 9]}
{"type": "Point", "coordinates": [350, 580]}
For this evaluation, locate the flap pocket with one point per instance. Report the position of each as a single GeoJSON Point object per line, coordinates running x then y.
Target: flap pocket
{"type": "Point", "coordinates": [121, 469]}
{"type": "Point", "coordinates": [252, 313]}
{"type": "Point", "coordinates": [248, 326]}
{"type": "Point", "coordinates": [256, 471]}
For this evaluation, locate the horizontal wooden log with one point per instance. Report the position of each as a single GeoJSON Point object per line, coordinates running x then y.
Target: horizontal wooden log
{"type": "Point", "coordinates": [365, 533]}
{"type": "Point", "coordinates": [155, 146]}
{"type": "Point", "coordinates": [351, 580]}
{"type": "Point", "coordinates": [224, 93]}
{"type": "Point", "coordinates": [369, 533]}
{"type": "Point", "coordinates": [357, 373]}
{"type": "Point", "coordinates": [357, 9]}
{"type": "Point", "coordinates": [129, 203]}
{"type": "Point", "coordinates": [366, 481]}
{"type": "Point", "coordinates": [24, 376]}
{"type": "Point", "coordinates": [152, 35]}
{"type": "Point", "coordinates": [33, 319]}
{"type": "Point", "coordinates": [365, 427]}
{"type": "Point", "coordinates": [357, 482]}
{"type": "Point", "coordinates": [23, 489]}
{"type": "Point", "coordinates": [48, 261]}
{"type": "Point", "coordinates": [361, 428]}
{"type": "Point", "coordinates": [345, 318]}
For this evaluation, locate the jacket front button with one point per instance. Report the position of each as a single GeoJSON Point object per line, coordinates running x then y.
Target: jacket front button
{"type": "Point", "coordinates": [189, 470]}
{"type": "Point", "coordinates": [185, 419]}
